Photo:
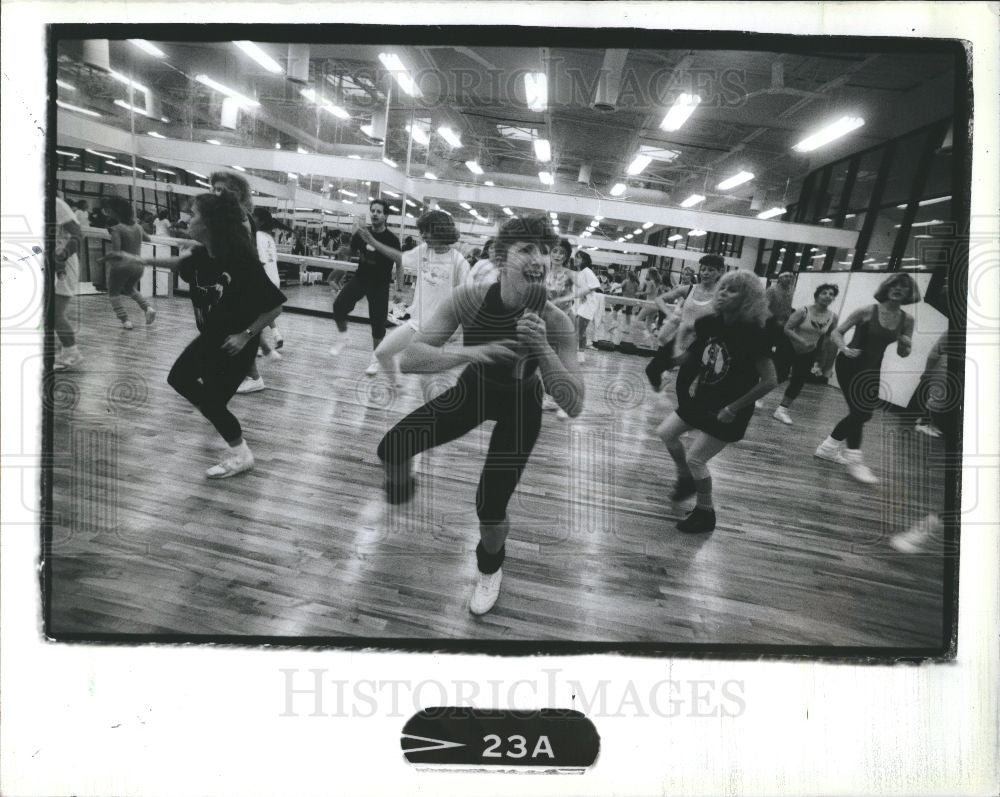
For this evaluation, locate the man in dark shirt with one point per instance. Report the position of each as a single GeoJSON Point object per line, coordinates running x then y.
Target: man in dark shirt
{"type": "Point", "coordinates": [371, 280]}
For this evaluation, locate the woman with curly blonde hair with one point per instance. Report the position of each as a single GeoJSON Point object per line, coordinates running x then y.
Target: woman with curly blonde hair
{"type": "Point", "coordinates": [724, 372]}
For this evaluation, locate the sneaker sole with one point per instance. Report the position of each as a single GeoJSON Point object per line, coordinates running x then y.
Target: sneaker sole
{"type": "Point", "coordinates": [229, 473]}
{"type": "Point", "coordinates": [836, 458]}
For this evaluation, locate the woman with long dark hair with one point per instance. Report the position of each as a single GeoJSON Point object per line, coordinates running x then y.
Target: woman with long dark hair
{"type": "Point", "coordinates": [859, 368]}
{"type": "Point", "coordinates": [233, 301]}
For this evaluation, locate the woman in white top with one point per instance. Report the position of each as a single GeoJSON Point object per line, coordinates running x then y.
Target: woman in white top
{"type": "Point", "coordinates": [439, 269]}
{"type": "Point", "coordinates": [587, 302]}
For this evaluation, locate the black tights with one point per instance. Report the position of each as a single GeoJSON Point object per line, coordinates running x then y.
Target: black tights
{"type": "Point", "coordinates": [801, 367]}
{"type": "Point", "coordinates": [208, 377]}
{"type": "Point", "coordinates": [377, 293]}
{"type": "Point", "coordinates": [859, 385]}
{"type": "Point", "coordinates": [454, 413]}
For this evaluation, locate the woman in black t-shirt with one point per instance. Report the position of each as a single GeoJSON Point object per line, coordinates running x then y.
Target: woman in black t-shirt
{"type": "Point", "coordinates": [726, 369]}
{"type": "Point", "coordinates": [233, 301]}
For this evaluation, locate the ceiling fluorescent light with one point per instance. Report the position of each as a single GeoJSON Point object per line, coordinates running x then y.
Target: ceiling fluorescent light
{"type": "Point", "coordinates": [629, 237]}
{"type": "Point", "coordinates": [123, 166]}
{"type": "Point", "coordinates": [260, 57]}
{"type": "Point", "coordinates": [430, 175]}
{"type": "Point", "coordinates": [691, 201]}
{"type": "Point", "coordinates": [831, 132]}
{"type": "Point", "coordinates": [292, 175]}
{"type": "Point", "coordinates": [368, 130]}
{"type": "Point", "coordinates": [553, 214]}
{"type": "Point", "coordinates": [489, 183]}
{"type": "Point", "coordinates": [618, 189]}
{"type": "Point", "coordinates": [336, 110]}
{"type": "Point", "coordinates": [536, 90]}
{"type": "Point", "coordinates": [77, 108]}
{"type": "Point", "coordinates": [696, 233]}
{"type": "Point", "coordinates": [647, 225]}
{"type": "Point", "coordinates": [678, 114]}
{"type": "Point", "coordinates": [465, 205]}
{"type": "Point", "coordinates": [639, 162]}
{"type": "Point", "coordinates": [165, 171]}
{"type": "Point", "coordinates": [675, 237]}
{"type": "Point", "coordinates": [239, 168]}
{"type": "Point", "coordinates": [449, 135]}
{"type": "Point", "coordinates": [735, 180]}
{"type": "Point", "coordinates": [411, 203]}
{"type": "Point", "coordinates": [125, 105]}
{"type": "Point", "coordinates": [637, 231]}
{"type": "Point", "coordinates": [508, 211]}
{"type": "Point", "coordinates": [67, 154]}
{"type": "Point", "coordinates": [546, 178]}
{"type": "Point", "coordinates": [923, 204]}
{"type": "Point", "coordinates": [100, 154]}
{"type": "Point", "coordinates": [146, 47]}
{"type": "Point", "coordinates": [393, 194]}
{"type": "Point", "coordinates": [770, 214]}
{"type": "Point", "coordinates": [205, 80]}
{"type": "Point", "coordinates": [202, 182]}
{"type": "Point", "coordinates": [395, 67]}
{"type": "Point", "coordinates": [345, 192]}
{"type": "Point", "coordinates": [474, 167]}
{"type": "Point", "coordinates": [64, 85]}
{"type": "Point", "coordinates": [197, 174]}
{"type": "Point", "coordinates": [419, 134]}
{"type": "Point", "coordinates": [543, 151]}
{"type": "Point", "coordinates": [129, 82]}
{"type": "Point", "coordinates": [354, 157]}
{"type": "Point", "coordinates": [154, 134]}
{"type": "Point", "coordinates": [213, 141]}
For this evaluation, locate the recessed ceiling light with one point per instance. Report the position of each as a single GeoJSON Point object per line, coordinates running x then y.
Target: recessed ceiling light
{"type": "Point", "coordinates": [675, 237]}
{"type": "Point", "coordinates": [262, 58]}
{"type": "Point", "coordinates": [678, 114]}
{"type": "Point", "coordinates": [639, 162]}
{"type": "Point", "coordinates": [831, 132]}
{"type": "Point", "coordinates": [399, 73]}
{"type": "Point", "coordinates": [735, 180]}
{"type": "Point", "coordinates": [474, 167]}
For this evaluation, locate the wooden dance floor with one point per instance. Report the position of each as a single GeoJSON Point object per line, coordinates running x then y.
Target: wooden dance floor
{"type": "Point", "coordinates": [305, 544]}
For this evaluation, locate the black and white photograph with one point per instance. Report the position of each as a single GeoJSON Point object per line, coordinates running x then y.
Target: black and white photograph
{"type": "Point", "coordinates": [423, 339]}
{"type": "Point", "coordinates": [631, 365]}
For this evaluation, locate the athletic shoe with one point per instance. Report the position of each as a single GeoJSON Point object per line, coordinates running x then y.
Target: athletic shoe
{"type": "Point", "coordinates": [240, 461]}
{"type": "Point", "coordinates": [486, 591]}
{"type": "Point", "coordinates": [273, 356]}
{"type": "Point", "coordinates": [68, 358]}
{"type": "Point", "coordinates": [857, 469]}
{"type": "Point", "coordinates": [278, 340]}
{"type": "Point", "coordinates": [338, 344]}
{"type": "Point", "coordinates": [698, 521]}
{"type": "Point", "coordinates": [758, 403]}
{"type": "Point", "coordinates": [400, 492]}
{"type": "Point", "coordinates": [561, 414]}
{"type": "Point", "coordinates": [928, 429]}
{"type": "Point", "coordinates": [684, 488]}
{"type": "Point", "coordinates": [832, 450]}
{"type": "Point", "coordinates": [373, 366]}
{"type": "Point", "coordinates": [150, 315]}
{"type": "Point", "coordinates": [913, 539]}
{"type": "Point", "coordinates": [581, 357]}
{"type": "Point", "coordinates": [251, 385]}
{"type": "Point", "coordinates": [549, 403]}
{"type": "Point", "coordinates": [782, 415]}
{"type": "Point", "coordinates": [127, 324]}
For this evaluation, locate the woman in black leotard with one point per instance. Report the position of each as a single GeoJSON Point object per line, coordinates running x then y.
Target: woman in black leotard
{"type": "Point", "coordinates": [512, 336]}
{"type": "Point", "coordinates": [859, 367]}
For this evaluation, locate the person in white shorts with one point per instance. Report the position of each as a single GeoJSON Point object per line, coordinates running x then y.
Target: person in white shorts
{"type": "Point", "coordinates": [439, 269]}
{"type": "Point", "coordinates": [67, 268]}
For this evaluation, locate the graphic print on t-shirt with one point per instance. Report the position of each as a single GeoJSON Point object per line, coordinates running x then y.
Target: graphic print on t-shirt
{"type": "Point", "coordinates": [715, 362]}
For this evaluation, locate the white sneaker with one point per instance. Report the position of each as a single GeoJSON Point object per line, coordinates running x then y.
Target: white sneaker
{"type": "Point", "coordinates": [127, 324]}
{"type": "Point", "coordinates": [251, 385]}
{"type": "Point", "coordinates": [782, 415]}
{"type": "Point", "coordinates": [373, 366]}
{"type": "Point", "coordinates": [338, 344]}
{"type": "Point", "coordinates": [857, 469]}
{"type": "Point", "coordinates": [832, 450]}
{"type": "Point", "coordinates": [240, 461]}
{"type": "Point", "coordinates": [758, 403]}
{"type": "Point", "coordinates": [150, 315]}
{"type": "Point", "coordinates": [273, 356]}
{"type": "Point", "coordinates": [486, 592]}
{"type": "Point", "coordinates": [561, 414]}
{"type": "Point", "coordinates": [68, 358]}
{"type": "Point", "coordinates": [581, 357]}
{"type": "Point", "coordinates": [916, 537]}
{"type": "Point", "coordinates": [549, 403]}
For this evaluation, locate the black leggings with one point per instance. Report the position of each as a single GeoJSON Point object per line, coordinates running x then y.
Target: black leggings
{"type": "Point", "coordinates": [454, 413]}
{"type": "Point", "coordinates": [208, 377]}
{"type": "Point", "coordinates": [781, 348]}
{"type": "Point", "coordinates": [801, 367]}
{"type": "Point", "coordinates": [377, 293]}
{"type": "Point", "coordinates": [859, 383]}
{"type": "Point", "coordinates": [662, 362]}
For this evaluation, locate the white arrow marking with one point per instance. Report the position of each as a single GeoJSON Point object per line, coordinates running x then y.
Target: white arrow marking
{"type": "Point", "coordinates": [440, 744]}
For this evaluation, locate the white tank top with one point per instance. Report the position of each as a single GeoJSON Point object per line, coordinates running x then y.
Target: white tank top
{"type": "Point", "coordinates": [692, 310]}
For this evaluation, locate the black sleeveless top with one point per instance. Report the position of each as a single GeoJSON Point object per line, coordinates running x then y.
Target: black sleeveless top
{"type": "Point", "coordinates": [492, 322]}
